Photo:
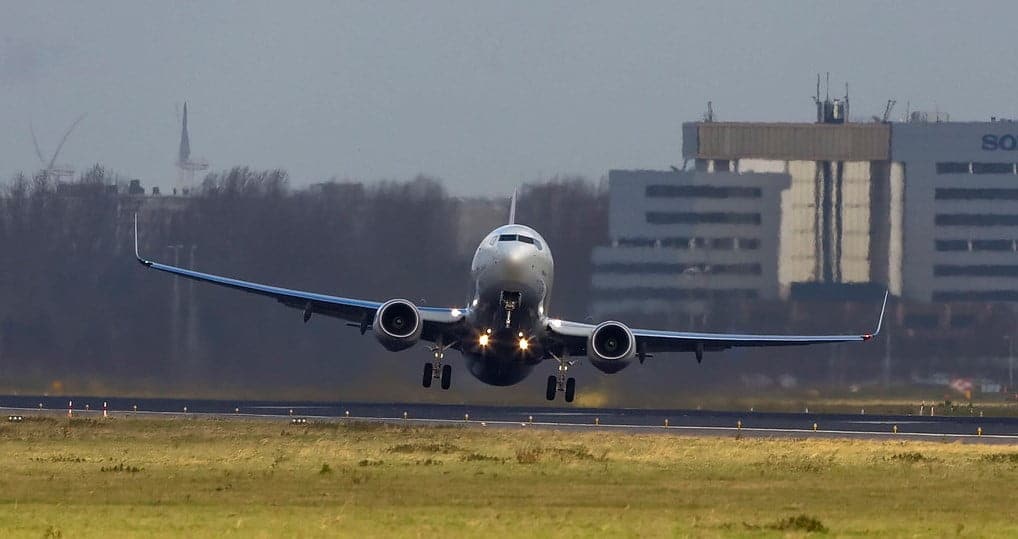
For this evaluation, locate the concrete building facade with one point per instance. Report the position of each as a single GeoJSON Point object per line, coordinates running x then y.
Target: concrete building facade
{"type": "Point", "coordinates": [959, 210]}
{"type": "Point", "coordinates": [835, 221]}
{"type": "Point", "coordinates": [687, 238]}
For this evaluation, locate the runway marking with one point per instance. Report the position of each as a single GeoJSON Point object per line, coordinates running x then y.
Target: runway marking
{"type": "Point", "coordinates": [524, 423]}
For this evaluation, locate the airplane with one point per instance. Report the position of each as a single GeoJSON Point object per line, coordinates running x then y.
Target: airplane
{"type": "Point", "coordinates": [505, 330]}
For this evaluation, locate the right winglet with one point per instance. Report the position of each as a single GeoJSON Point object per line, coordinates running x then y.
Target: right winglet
{"type": "Point", "coordinates": [880, 321]}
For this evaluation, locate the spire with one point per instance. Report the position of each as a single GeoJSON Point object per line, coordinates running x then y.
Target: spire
{"type": "Point", "coordinates": [185, 143]}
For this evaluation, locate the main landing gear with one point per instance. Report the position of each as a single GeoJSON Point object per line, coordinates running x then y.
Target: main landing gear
{"type": "Point", "coordinates": [437, 371]}
{"type": "Point", "coordinates": [557, 383]}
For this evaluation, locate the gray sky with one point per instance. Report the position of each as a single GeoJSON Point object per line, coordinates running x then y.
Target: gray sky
{"type": "Point", "coordinates": [482, 95]}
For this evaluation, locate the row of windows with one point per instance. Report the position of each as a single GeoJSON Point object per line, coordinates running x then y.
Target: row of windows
{"type": "Point", "coordinates": [968, 193]}
{"type": "Point", "coordinates": [703, 218]}
{"type": "Point", "coordinates": [719, 244]}
{"type": "Point", "coordinates": [975, 219]}
{"type": "Point", "coordinates": [959, 167]}
{"type": "Point", "coordinates": [677, 267]}
{"type": "Point", "coordinates": [976, 245]}
{"type": "Point", "coordinates": [675, 294]}
{"type": "Point", "coordinates": [702, 191]}
{"type": "Point", "coordinates": [975, 295]}
{"type": "Point", "coordinates": [982, 270]}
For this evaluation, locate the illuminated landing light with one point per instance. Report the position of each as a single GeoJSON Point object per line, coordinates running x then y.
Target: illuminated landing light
{"type": "Point", "coordinates": [456, 313]}
{"type": "Point", "coordinates": [867, 337]}
{"type": "Point", "coordinates": [524, 344]}
{"type": "Point", "coordinates": [488, 331]}
{"type": "Point", "coordinates": [483, 341]}
{"type": "Point", "coordinates": [475, 302]}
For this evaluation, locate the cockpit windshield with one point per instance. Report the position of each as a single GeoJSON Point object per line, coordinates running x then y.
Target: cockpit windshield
{"type": "Point", "coordinates": [520, 238]}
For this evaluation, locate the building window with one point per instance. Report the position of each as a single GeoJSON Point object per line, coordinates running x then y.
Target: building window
{"type": "Point", "coordinates": [975, 295]}
{"type": "Point", "coordinates": [691, 269]}
{"type": "Point", "coordinates": [952, 245]}
{"type": "Point", "coordinates": [965, 193]}
{"type": "Point", "coordinates": [702, 191]}
{"type": "Point", "coordinates": [704, 218]}
{"type": "Point", "coordinates": [992, 168]}
{"type": "Point", "coordinates": [992, 245]}
{"type": "Point", "coordinates": [675, 294]}
{"type": "Point", "coordinates": [635, 242]}
{"type": "Point", "coordinates": [984, 270]}
{"type": "Point", "coordinates": [952, 168]}
{"type": "Point", "coordinates": [748, 244]}
{"type": "Point", "coordinates": [973, 219]}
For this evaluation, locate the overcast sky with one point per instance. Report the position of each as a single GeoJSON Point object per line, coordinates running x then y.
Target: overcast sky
{"type": "Point", "coordinates": [482, 95]}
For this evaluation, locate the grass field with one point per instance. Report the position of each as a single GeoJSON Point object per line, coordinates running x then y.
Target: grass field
{"type": "Point", "coordinates": [206, 478]}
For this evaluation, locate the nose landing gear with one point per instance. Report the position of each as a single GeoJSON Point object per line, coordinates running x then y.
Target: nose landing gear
{"type": "Point", "coordinates": [559, 383]}
{"type": "Point", "coordinates": [437, 371]}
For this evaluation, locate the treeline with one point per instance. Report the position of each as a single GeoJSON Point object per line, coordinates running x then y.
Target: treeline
{"type": "Point", "coordinates": [77, 314]}
{"type": "Point", "coordinates": [76, 311]}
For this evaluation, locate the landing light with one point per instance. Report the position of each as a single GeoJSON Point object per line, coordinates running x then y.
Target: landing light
{"type": "Point", "coordinates": [524, 344]}
{"type": "Point", "coordinates": [483, 341]}
{"type": "Point", "coordinates": [456, 313]}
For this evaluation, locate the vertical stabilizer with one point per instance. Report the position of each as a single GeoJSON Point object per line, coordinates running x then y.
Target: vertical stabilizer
{"type": "Point", "coordinates": [512, 208]}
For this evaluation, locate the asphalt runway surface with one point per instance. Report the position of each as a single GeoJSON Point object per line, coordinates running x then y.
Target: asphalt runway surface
{"type": "Point", "coordinates": [999, 430]}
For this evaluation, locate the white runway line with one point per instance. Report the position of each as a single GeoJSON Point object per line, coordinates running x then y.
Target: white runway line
{"type": "Point", "coordinates": [545, 424]}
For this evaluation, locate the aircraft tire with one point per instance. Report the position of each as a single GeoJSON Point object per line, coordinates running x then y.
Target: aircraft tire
{"type": "Point", "coordinates": [429, 370]}
{"type": "Point", "coordinates": [552, 388]}
{"type": "Point", "coordinates": [570, 389]}
{"type": "Point", "coordinates": [446, 376]}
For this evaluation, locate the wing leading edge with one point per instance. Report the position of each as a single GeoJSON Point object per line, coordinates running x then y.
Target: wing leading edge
{"type": "Point", "coordinates": [650, 341]}
{"type": "Point", "coordinates": [354, 310]}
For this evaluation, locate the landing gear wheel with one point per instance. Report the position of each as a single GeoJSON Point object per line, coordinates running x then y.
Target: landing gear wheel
{"type": "Point", "coordinates": [570, 389]}
{"type": "Point", "coordinates": [429, 375]}
{"type": "Point", "coordinates": [446, 376]}
{"type": "Point", "coordinates": [552, 388]}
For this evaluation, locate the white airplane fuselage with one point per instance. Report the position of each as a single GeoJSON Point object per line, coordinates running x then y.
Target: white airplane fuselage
{"type": "Point", "coordinates": [512, 275]}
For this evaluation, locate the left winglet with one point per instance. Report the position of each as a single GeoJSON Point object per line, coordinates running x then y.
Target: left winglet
{"type": "Point", "coordinates": [880, 321]}
{"type": "Point", "coordinates": [137, 255]}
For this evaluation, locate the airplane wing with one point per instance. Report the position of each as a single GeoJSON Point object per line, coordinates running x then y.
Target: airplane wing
{"type": "Point", "coordinates": [362, 312]}
{"type": "Point", "coordinates": [649, 341]}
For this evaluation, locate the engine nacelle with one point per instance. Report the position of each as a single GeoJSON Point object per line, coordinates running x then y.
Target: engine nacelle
{"type": "Point", "coordinates": [397, 325]}
{"type": "Point", "coordinates": [611, 347]}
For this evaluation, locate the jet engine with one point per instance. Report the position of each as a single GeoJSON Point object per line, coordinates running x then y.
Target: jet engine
{"type": "Point", "coordinates": [611, 347]}
{"type": "Point", "coordinates": [397, 325]}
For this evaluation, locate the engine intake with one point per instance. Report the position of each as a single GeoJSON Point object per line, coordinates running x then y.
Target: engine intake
{"type": "Point", "coordinates": [397, 325]}
{"type": "Point", "coordinates": [611, 347]}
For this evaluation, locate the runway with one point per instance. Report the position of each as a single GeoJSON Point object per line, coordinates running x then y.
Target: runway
{"type": "Point", "coordinates": [689, 422]}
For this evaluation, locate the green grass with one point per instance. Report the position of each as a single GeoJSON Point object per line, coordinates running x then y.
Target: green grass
{"type": "Point", "coordinates": [205, 478]}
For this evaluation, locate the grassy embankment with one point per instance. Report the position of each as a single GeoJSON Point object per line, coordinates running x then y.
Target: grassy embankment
{"type": "Point", "coordinates": [204, 478]}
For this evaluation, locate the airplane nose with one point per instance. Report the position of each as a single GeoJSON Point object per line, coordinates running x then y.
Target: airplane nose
{"type": "Point", "coordinates": [517, 260]}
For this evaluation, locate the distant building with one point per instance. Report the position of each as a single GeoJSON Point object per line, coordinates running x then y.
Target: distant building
{"type": "Point", "coordinates": [835, 219]}
{"type": "Point", "coordinates": [929, 208]}
{"type": "Point", "coordinates": [958, 210]}
{"type": "Point", "coordinates": [687, 238]}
